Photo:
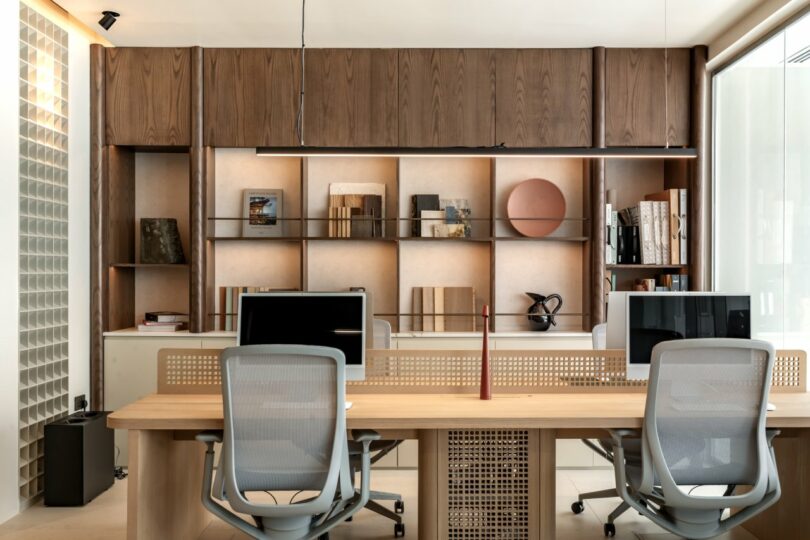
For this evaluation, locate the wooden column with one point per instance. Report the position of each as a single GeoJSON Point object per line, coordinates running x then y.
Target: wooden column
{"type": "Point", "coordinates": [197, 200]}
{"type": "Point", "coordinates": [700, 191]}
{"type": "Point", "coordinates": [428, 484]}
{"type": "Point", "coordinates": [98, 274]}
{"type": "Point", "coordinates": [597, 194]}
{"type": "Point", "coordinates": [548, 484]}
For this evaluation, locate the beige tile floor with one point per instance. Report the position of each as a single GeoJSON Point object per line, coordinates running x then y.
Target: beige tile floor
{"type": "Point", "coordinates": [105, 517]}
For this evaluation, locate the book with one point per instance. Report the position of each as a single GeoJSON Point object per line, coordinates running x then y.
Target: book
{"type": "Point", "coordinates": [227, 309]}
{"type": "Point", "coordinates": [427, 309]}
{"type": "Point", "coordinates": [161, 327]}
{"type": "Point", "coordinates": [627, 245]}
{"type": "Point", "coordinates": [165, 316]}
{"type": "Point", "coordinates": [372, 207]}
{"type": "Point", "coordinates": [656, 224]}
{"type": "Point", "coordinates": [614, 232]}
{"type": "Point", "coordinates": [438, 309]}
{"type": "Point", "coordinates": [676, 282]}
{"type": "Point", "coordinates": [429, 219]}
{"type": "Point", "coordinates": [352, 195]}
{"type": "Point", "coordinates": [684, 283]}
{"type": "Point", "coordinates": [608, 243]}
{"type": "Point", "coordinates": [683, 221]}
{"type": "Point", "coordinates": [459, 300]}
{"type": "Point", "coordinates": [666, 254]}
{"type": "Point", "coordinates": [417, 308]}
{"type": "Point", "coordinates": [419, 203]}
{"type": "Point", "coordinates": [672, 198]}
{"type": "Point", "coordinates": [646, 232]}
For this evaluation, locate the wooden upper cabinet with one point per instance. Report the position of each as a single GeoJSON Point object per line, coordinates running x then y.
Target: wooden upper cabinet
{"type": "Point", "coordinates": [446, 97]}
{"type": "Point", "coordinates": [251, 97]}
{"type": "Point", "coordinates": [351, 97]}
{"type": "Point", "coordinates": [148, 96]}
{"type": "Point", "coordinates": [647, 97]}
{"type": "Point", "coordinates": [543, 97]}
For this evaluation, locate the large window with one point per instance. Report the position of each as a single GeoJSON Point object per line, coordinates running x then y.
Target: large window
{"type": "Point", "coordinates": [762, 184]}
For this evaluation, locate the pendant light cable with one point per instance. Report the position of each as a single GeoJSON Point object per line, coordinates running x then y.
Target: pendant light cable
{"type": "Point", "coordinates": [299, 121]}
{"type": "Point", "coordinates": [666, 78]}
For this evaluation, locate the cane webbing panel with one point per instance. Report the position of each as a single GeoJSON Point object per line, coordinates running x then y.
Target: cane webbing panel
{"type": "Point", "coordinates": [489, 489]}
{"type": "Point", "coordinates": [197, 371]}
{"type": "Point", "coordinates": [189, 371]}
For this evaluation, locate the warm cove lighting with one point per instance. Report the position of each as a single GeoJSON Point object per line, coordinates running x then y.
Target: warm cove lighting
{"type": "Point", "coordinates": [484, 152]}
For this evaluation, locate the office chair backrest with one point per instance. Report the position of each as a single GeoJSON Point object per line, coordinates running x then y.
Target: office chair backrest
{"type": "Point", "coordinates": [706, 405]}
{"type": "Point", "coordinates": [599, 336]}
{"type": "Point", "coordinates": [382, 334]}
{"type": "Point", "coordinates": [284, 418]}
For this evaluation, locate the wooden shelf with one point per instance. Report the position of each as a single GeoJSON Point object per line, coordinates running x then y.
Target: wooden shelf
{"type": "Point", "coordinates": [397, 239]}
{"type": "Point", "coordinates": [646, 266]}
{"type": "Point", "coordinates": [148, 265]}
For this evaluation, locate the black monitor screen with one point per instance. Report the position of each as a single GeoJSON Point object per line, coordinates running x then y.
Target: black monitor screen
{"type": "Point", "coordinates": [312, 319]}
{"type": "Point", "coordinates": [656, 318]}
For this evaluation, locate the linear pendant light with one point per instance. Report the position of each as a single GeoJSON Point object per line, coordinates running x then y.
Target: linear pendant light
{"type": "Point", "coordinates": [467, 151]}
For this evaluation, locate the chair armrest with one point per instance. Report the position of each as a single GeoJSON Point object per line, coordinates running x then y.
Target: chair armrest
{"type": "Point", "coordinates": [770, 434]}
{"type": "Point", "coordinates": [365, 435]}
{"type": "Point", "coordinates": [211, 436]}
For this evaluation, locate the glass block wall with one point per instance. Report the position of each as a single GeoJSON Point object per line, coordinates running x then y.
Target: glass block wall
{"type": "Point", "coordinates": [43, 239]}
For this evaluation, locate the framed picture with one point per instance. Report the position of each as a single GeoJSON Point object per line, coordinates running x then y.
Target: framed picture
{"type": "Point", "coordinates": [263, 210]}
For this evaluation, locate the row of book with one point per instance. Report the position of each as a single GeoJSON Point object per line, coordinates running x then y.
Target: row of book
{"type": "Point", "coordinates": [432, 217]}
{"type": "Point", "coordinates": [652, 232]}
{"type": "Point", "coordinates": [661, 283]}
{"type": "Point", "coordinates": [163, 321]}
{"type": "Point", "coordinates": [443, 309]}
{"type": "Point", "coordinates": [228, 312]}
{"type": "Point", "coordinates": [356, 210]}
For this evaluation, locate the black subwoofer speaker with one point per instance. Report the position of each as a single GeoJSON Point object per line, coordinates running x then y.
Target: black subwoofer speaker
{"type": "Point", "coordinates": [79, 458]}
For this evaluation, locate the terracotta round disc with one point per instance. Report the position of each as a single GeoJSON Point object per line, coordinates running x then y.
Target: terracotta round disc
{"type": "Point", "coordinates": [536, 198]}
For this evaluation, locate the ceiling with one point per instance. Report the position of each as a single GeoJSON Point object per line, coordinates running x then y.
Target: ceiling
{"type": "Point", "coordinates": [412, 23]}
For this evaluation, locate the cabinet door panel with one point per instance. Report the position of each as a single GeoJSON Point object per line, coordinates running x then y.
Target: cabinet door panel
{"type": "Point", "coordinates": [446, 97]}
{"type": "Point", "coordinates": [543, 97]}
{"type": "Point", "coordinates": [251, 97]}
{"type": "Point", "coordinates": [647, 97]}
{"type": "Point", "coordinates": [351, 97]}
{"type": "Point", "coordinates": [148, 96]}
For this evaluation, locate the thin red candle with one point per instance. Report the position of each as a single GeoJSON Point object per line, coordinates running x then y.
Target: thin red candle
{"type": "Point", "coordinates": [486, 384]}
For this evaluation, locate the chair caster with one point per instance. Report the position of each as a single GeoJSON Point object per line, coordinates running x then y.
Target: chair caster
{"type": "Point", "coordinates": [349, 519]}
{"type": "Point", "coordinates": [610, 530]}
{"type": "Point", "coordinates": [324, 536]}
{"type": "Point", "coordinates": [399, 507]}
{"type": "Point", "coordinates": [577, 507]}
{"type": "Point", "coordinates": [399, 530]}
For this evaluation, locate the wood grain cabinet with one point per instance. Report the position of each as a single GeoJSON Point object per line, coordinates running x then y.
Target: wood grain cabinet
{"type": "Point", "coordinates": [251, 97]}
{"type": "Point", "coordinates": [647, 97]}
{"type": "Point", "coordinates": [351, 97]}
{"type": "Point", "coordinates": [543, 97]}
{"type": "Point", "coordinates": [148, 96]}
{"type": "Point", "coordinates": [446, 97]}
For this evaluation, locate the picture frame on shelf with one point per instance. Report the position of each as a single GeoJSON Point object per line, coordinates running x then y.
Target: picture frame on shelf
{"type": "Point", "coordinates": [262, 213]}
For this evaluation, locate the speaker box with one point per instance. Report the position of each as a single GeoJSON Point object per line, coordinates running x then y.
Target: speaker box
{"type": "Point", "coordinates": [79, 458]}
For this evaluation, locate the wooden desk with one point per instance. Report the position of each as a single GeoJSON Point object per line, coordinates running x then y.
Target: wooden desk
{"type": "Point", "coordinates": [166, 464]}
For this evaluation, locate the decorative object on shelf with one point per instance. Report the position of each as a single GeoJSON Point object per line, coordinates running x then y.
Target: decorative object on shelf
{"type": "Point", "coordinates": [457, 211]}
{"type": "Point", "coordinates": [160, 241]}
{"type": "Point", "coordinates": [429, 219]}
{"type": "Point", "coordinates": [356, 210]}
{"type": "Point", "coordinates": [449, 230]}
{"type": "Point", "coordinates": [443, 309]}
{"type": "Point", "coordinates": [262, 212]}
{"type": "Point", "coordinates": [536, 207]}
{"type": "Point", "coordinates": [486, 379]}
{"type": "Point", "coordinates": [541, 318]}
{"type": "Point", "coordinates": [419, 204]}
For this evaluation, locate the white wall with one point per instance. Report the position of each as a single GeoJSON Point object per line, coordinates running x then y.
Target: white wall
{"type": "Point", "coordinates": [78, 242]}
{"type": "Point", "coordinates": [9, 258]}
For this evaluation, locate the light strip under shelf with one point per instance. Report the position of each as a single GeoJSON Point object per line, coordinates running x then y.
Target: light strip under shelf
{"type": "Point", "coordinates": [483, 151]}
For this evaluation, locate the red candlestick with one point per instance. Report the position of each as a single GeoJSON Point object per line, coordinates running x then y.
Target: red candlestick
{"type": "Point", "coordinates": [486, 385]}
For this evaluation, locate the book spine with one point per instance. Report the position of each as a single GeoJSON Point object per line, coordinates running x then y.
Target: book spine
{"type": "Point", "coordinates": [621, 244]}
{"type": "Point", "coordinates": [635, 245]}
{"type": "Point", "coordinates": [227, 308]}
{"type": "Point", "coordinates": [438, 308]}
{"type": "Point", "coordinates": [674, 233]}
{"type": "Point", "coordinates": [646, 233]}
{"type": "Point", "coordinates": [656, 211]}
{"type": "Point", "coordinates": [683, 222]}
{"type": "Point", "coordinates": [608, 243]}
{"type": "Point", "coordinates": [614, 236]}
{"type": "Point", "coordinates": [665, 249]}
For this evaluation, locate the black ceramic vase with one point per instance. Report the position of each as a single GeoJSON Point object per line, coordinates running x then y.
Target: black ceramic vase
{"type": "Point", "coordinates": [541, 317]}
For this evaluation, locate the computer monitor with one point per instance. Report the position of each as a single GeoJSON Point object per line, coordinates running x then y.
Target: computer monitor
{"type": "Point", "coordinates": [328, 319]}
{"type": "Point", "coordinates": [646, 319]}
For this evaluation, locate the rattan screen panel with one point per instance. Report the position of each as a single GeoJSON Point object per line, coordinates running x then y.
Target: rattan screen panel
{"type": "Point", "coordinates": [489, 487]}
{"type": "Point", "coordinates": [189, 371]}
{"type": "Point", "coordinates": [197, 371]}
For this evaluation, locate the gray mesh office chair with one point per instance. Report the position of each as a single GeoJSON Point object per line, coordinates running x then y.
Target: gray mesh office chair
{"type": "Point", "coordinates": [704, 425]}
{"type": "Point", "coordinates": [604, 448]}
{"type": "Point", "coordinates": [285, 430]}
{"type": "Point", "coordinates": [380, 449]}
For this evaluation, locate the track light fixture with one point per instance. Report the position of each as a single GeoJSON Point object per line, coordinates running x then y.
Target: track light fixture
{"type": "Point", "coordinates": [108, 19]}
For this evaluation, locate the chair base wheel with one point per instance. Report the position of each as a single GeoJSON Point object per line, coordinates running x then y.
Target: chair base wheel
{"type": "Point", "coordinates": [399, 507]}
{"type": "Point", "coordinates": [577, 507]}
{"type": "Point", "coordinates": [610, 530]}
{"type": "Point", "coordinates": [349, 519]}
{"type": "Point", "coordinates": [399, 530]}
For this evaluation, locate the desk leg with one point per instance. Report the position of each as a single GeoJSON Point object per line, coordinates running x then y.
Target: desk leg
{"type": "Point", "coordinates": [428, 484]}
{"type": "Point", "coordinates": [547, 490]}
{"type": "Point", "coordinates": [788, 518]}
{"type": "Point", "coordinates": [164, 486]}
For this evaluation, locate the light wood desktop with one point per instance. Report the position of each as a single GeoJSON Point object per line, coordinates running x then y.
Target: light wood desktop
{"type": "Point", "coordinates": [166, 464]}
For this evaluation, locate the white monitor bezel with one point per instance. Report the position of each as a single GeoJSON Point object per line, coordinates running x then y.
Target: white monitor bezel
{"type": "Point", "coordinates": [354, 372]}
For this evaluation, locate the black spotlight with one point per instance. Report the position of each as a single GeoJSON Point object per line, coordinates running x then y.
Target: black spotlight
{"type": "Point", "coordinates": [108, 19]}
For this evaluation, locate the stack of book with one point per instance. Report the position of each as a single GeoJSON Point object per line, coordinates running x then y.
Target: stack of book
{"type": "Point", "coordinates": [432, 217]}
{"type": "Point", "coordinates": [444, 309]}
{"type": "Point", "coordinates": [652, 232]}
{"type": "Point", "coordinates": [163, 321]}
{"type": "Point", "coordinates": [356, 210]}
